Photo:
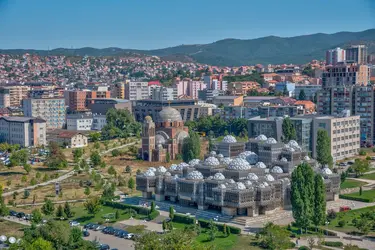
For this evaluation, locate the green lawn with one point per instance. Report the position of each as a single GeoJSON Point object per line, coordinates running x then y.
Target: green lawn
{"type": "Point", "coordinates": [9, 228]}
{"type": "Point", "coordinates": [369, 176]}
{"type": "Point", "coordinates": [348, 216]}
{"type": "Point", "coordinates": [82, 216]}
{"type": "Point", "coordinates": [366, 194]}
{"type": "Point", "coordinates": [352, 184]}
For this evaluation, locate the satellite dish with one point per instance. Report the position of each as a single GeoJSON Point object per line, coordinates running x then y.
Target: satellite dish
{"type": "Point", "coordinates": [3, 238]}
{"type": "Point", "coordinates": [12, 240]}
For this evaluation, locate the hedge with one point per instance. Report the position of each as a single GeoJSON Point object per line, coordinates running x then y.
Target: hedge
{"type": "Point", "coordinates": [303, 248]}
{"type": "Point", "coordinates": [348, 197]}
{"type": "Point", "coordinates": [139, 210]}
{"type": "Point", "coordinates": [204, 223]}
{"type": "Point", "coordinates": [333, 243]}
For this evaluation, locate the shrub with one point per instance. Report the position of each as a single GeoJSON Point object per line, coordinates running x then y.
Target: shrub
{"type": "Point", "coordinates": [115, 152]}
{"type": "Point", "coordinates": [368, 158]}
{"type": "Point", "coordinates": [303, 248]}
{"type": "Point", "coordinates": [333, 244]}
{"type": "Point", "coordinates": [331, 214]}
{"type": "Point", "coordinates": [348, 197]}
{"type": "Point", "coordinates": [373, 149]}
{"type": "Point", "coordinates": [362, 152]}
{"type": "Point", "coordinates": [341, 223]}
{"type": "Point", "coordinates": [139, 210]}
{"type": "Point", "coordinates": [183, 219]}
{"type": "Point", "coordinates": [206, 224]}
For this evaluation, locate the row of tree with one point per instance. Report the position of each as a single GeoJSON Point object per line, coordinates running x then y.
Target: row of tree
{"type": "Point", "coordinates": [191, 147]}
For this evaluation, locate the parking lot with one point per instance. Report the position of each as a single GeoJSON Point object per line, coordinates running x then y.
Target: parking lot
{"type": "Point", "coordinates": [112, 241]}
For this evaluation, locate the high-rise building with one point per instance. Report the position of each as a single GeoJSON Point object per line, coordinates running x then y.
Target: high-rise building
{"type": "Point", "coordinates": [163, 94]}
{"type": "Point", "coordinates": [16, 94]}
{"type": "Point", "coordinates": [118, 90]}
{"type": "Point", "coordinates": [335, 56]}
{"type": "Point", "coordinates": [356, 54]}
{"type": "Point", "coordinates": [137, 91]}
{"type": "Point", "coordinates": [76, 100]}
{"type": "Point", "coordinates": [52, 110]}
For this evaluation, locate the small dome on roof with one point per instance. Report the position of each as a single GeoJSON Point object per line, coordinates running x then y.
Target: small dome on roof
{"type": "Point", "coordinates": [212, 153]}
{"type": "Point", "coordinates": [251, 157]}
{"type": "Point", "coordinates": [161, 169]}
{"type": "Point", "coordinates": [176, 167]}
{"type": "Point", "coordinates": [231, 181]}
{"type": "Point", "coordinates": [168, 174]}
{"type": "Point", "coordinates": [261, 138]}
{"type": "Point", "coordinates": [269, 177]}
{"type": "Point", "coordinates": [194, 162]}
{"type": "Point", "coordinates": [326, 171]}
{"type": "Point", "coordinates": [229, 139]}
{"type": "Point", "coordinates": [149, 173]}
{"type": "Point", "coordinates": [277, 170]}
{"type": "Point", "coordinates": [169, 114]}
{"type": "Point", "coordinates": [306, 158]}
{"type": "Point", "coordinates": [239, 164]}
{"type": "Point", "coordinates": [248, 183]}
{"type": "Point", "coordinates": [271, 141]}
{"type": "Point", "coordinates": [252, 177]}
{"type": "Point", "coordinates": [183, 165]}
{"type": "Point", "coordinates": [152, 169]}
{"type": "Point", "coordinates": [195, 175]}
{"type": "Point", "coordinates": [226, 160]}
{"type": "Point", "coordinates": [220, 156]}
{"type": "Point", "coordinates": [260, 165]}
{"type": "Point", "coordinates": [219, 177]}
{"type": "Point", "coordinates": [222, 186]}
{"type": "Point", "coordinates": [211, 161]}
{"type": "Point", "coordinates": [239, 186]}
{"type": "Point", "coordinates": [284, 159]}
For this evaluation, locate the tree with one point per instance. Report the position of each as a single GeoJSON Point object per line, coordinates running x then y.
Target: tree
{"type": "Point", "coordinates": [33, 182]}
{"type": "Point", "coordinates": [94, 137]}
{"type": "Point", "coordinates": [164, 225]}
{"type": "Point", "coordinates": [67, 210]}
{"type": "Point", "coordinates": [289, 132]}
{"type": "Point", "coordinates": [56, 159]}
{"type": "Point", "coordinates": [319, 212]}
{"type": "Point", "coordinates": [93, 205]}
{"type": "Point", "coordinates": [109, 191]}
{"type": "Point", "coordinates": [26, 194]}
{"type": "Point", "coordinates": [131, 183]}
{"type": "Point", "coordinates": [274, 237]}
{"type": "Point", "coordinates": [87, 191]}
{"type": "Point", "coordinates": [48, 207]}
{"type": "Point", "coordinates": [111, 170]}
{"type": "Point", "coordinates": [360, 190]}
{"type": "Point", "coordinates": [302, 95]}
{"type": "Point", "coordinates": [167, 157]}
{"type": "Point", "coordinates": [138, 172]}
{"type": "Point", "coordinates": [171, 212]}
{"type": "Point", "coordinates": [360, 167]}
{"type": "Point", "coordinates": [27, 168]}
{"type": "Point", "coordinates": [311, 242]}
{"type": "Point", "coordinates": [302, 195]}
{"type": "Point", "coordinates": [95, 158]}
{"type": "Point", "coordinates": [3, 208]}
{"type": "Point", "coordinates": [77, 154]}
{"type": "Point", "coordinates": [36, 216]}
{"type": "Point", "coordinates": [128, 169]}
{"type": "Point", "coordinates": [364, 225]}
{"type": "Point", "coordinates": [153, 207]}
{"type": "Point", "coordinates": [117, 215]}
{"type": "Point", "coordinates": [41, 244]}
{"type": "Point", "coordinates": [191, 147]}
{"type": "Point", "coordinates": [212, 230]}
{"type": "Point", "coordinates": [323, 148]}
{"type": "Point", "coordinates": [97, 145]}
{"type": "Point", "coordinates": [120, 123]}
{"type": "Point", "coordinates": [225, 230]}
{"type": "Point", "coordinates": [19, 157]}
{"type": "Point", "coordinates": [60, 212]}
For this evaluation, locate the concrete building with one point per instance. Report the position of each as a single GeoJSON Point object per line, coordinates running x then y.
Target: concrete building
{"type": "Point", "coordinates": [163, 94]}
{"type": "Point", "coordinates": [255, 101]}
{"type": "Point", "coordinates": [303, 127]}
{"type": "Point", "coordinates": [270, 127]}
{"type": "Point", "coordinates": [189, 88]}
{"type": "Point", "coordinates": [335, 56]}
{"type": "Point", "coordinates": [25, 131]}
{"type": "Point", "coordinates": [99, 121]}
{"type": "Point", "coordinates": [137, 91]}
{"type": "Point", "coordinates": [209, 94]}
{"type": "Point", "coordinates": [188, 109]}
{"type": "Point", "coordinates": [16, 94]}
{"type": "Point", "coordinates": [4, 98]}
{"type": "Point", "coordinates": [310, 90]}
{"type": "Point", "coordinates": [241, 88]}
{"type": "Point", "coordinates": [118, 90]}
{"type": "Point", "coordinates": [79, 122]}
{"type": "Point", "coordinates": [102, 105]}
{"type": "Point", "coordinates": [52, 110]}
{"type": "Point", "coordinates": [356, 54]}
{"type": "Point", "coordinates": [344, 133]}
{"type": "Point", "coordinates": [228, 100]}
{"type": "Point", "coordinates": [76, 100]}
{"type": "Point", "coordinates": [71, 139]}
{"type": "Point", "coordinates": [278, 111]}
{"type": "Point", "coordinates": [345, 74]}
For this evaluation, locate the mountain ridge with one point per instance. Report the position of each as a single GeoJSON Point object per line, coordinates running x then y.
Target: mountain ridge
{"type": "Point", "coordinates": [235, 52]}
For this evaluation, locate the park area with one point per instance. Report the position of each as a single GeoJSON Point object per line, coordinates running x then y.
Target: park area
{"type": "Point", "coordinates": [349, 183]}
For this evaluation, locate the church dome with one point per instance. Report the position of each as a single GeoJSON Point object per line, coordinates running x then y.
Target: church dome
{"type": "Point", "coordinates": [194, 162]}
{"type": "Point", "coordinates": [159, 139]}
{"type": "Point", "coordinates": [239, 164]}
{"type": "Point", "coordinates": [195, 175]}
{"type": "Point", "coordinates": [277, 170]}
{"type": "Point", "coordinates": [169, 114]}
{"type": "Point", "coordinates": [219, 177]}
{"type": "Point", "coordinates": [211, 161]}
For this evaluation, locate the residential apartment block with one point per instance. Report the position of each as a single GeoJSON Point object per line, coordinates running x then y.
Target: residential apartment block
{"type": "Point", "coordinates": [25, 131]}
{"type": "Point", "coordinates": [310, 90]}
{"type": "Point", "coordinates": [52, 110]}
{"type": "Point", "coordinates": [356, 54]}
{"type": "Point", "coordinates": [137, 91]}
{"type": "Point", "coordinates": [335, 56]}
{"type": "Point", "coordinates": [79, 122]}
{"type": "Point", "coordinates": [16, 94]}
{"type": "Point", "coordinates": [163, 94]}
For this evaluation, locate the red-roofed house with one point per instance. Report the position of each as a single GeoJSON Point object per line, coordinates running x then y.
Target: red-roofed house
{"type": "Point", "coordinates": [71, 139]}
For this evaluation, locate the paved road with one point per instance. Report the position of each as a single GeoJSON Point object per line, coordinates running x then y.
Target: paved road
{"type": "Point", "coordinates": [54, 202]}
{"type": "Point", "coordinates": [16, 220]}
{"type": "Point", "coordinates": [112, 241]}
{"type": "Point", "coordinates": [62, 177]}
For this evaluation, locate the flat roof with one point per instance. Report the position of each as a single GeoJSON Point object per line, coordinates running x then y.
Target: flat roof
{"type": "Point", "coordinates": [21, 119]}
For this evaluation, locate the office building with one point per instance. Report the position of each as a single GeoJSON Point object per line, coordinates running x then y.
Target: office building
{"type": "Point", "coordinates": [310, 91]}
{"type": "Point", "coordinates": [356, 54]}
{"type": "Point", "coordinates": [102, 105]}
{"type": "Point", "coordinates": [270, 127]}
{"type": "Point", "coordinates": [281, 87]}
{"type": "Point", "coordinates": [25, 131]}
{"type": "Point", "coordinates": [52, 110]}
{"type": "Point", "coordinates": [137, 91]}
{"type": "Point", "coordinates": [344, 133]}
{"type": "Point", "coordinates": [79, 122]}
{"type": "Point", "coordinates": [209, 94]}
{"type": "Point", "coordinates": [278, 111]}
{"type": "Point", "coordinates": [76, 100]}
{"type": "Point", "coordinates": [189, 88]}
{"type": "Point", "coordinates": [335, 56]}
{"type": "Point", "coordinates": [163, 94]}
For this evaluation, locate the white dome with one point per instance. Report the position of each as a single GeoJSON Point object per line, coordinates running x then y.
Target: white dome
{"type": "Point", "coordinates": [168, 174]}
{"type": "Point", "coordinates": [229, 139]}
{"type": "Point", "coordinates": [210, 177]}
{"type": "Point", "coordinates": [261, 138]}
{"type": "Point", "coordinates": [277, 170]}
{"type": "Point", "coordinates": [269, 177]}
{"type": "Point", "coordinates": [219, 176]}
{"type": "Point", "coordinates": [306, 158]}
{"type": "Point", "coordinates": [152, 169]}
{"type": "Point", "coordinates": [231, 181]}
{"type": "Point", "coordinates": [326, 171]}
{"type": "Point", "coordinates": [212, 161]}
{"type": "Point", "coordinates": [252, 177]}
{"type": "Point", "coordinates": [265, 184]}
{"type": "Point", "coordinates": [239, 164]}
{"type": "Point", "coordinates": [183, 165]}
{"type": "Point", "coordinates": [293, 144]}
{"type": "Point", "coordinates": [222, 186]}
{"type": "Point", "coordinates": [161, 169]}
{"type": "Point", "coordinates": [175, 176]}
{"type": "Point", "coordinates": [149, 173]}
{"type": "Point", "coordinates": [220, 156]}
{"type": "Point", "coordinates": [271, 141]}
{"type": "Point", "coordinates": [260, 165]}
{"type": "Point", "coordinates": [194, 162]}
{"type": "Point", "coordinates": [262, 185]}
{"type": "Point", "coordinates": [248, 183]}
{"type": "Point", "coordinates": [239, 186]}
{"type": "Point", "coordinates": [291, 149]}
{"type": "Point", "coordinates": [195, 175]}
{"type": "Point", "coordinates": [251, 157]}
{"type": "Point", "coordinates": [284, 159]}
{"type": "Point", "coordinates": [173, 167]}
{"type": "Point", "coordinates": [226, 160]}
{"type": "Point", "coordinates": [212, 153]}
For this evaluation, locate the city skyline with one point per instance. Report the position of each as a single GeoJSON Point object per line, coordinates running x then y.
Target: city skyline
{"type": "Point", "coordinates": [100, 25]}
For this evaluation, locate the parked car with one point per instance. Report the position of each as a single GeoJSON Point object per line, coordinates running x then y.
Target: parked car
{"type": "Point", "coordinates": [98, 228]}
{"type": "Point", "coordinates": [343, 164]}
{"type": "Point", "coordinates": [13, 213]}
{"type": "Point", "coordinates": [21, 215]}
{"type": "Point", "coordinates": [129, 236]}
{"type": "Point", "coordinates": [74, 223]}
{"type": "Point", "coordinates": [92, 226]}
{"type": "Point", "coordinates": [108, 230]}
{"type": "Point", "coordinates": [87, 226]}
{"type": "Point", "coordinates": [345, 208]}
{"type": "Point", "coordinates": [351, 162]}
{"type": "Point", "coordinates": [104, 247]}
{"type": "Point", "coordinates": [86, 233]}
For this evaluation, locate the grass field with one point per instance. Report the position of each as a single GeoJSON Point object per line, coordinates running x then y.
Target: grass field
{"type": "Point", "coordinates": [9, 228]}
{"type": "Point", "coordinates": [352, 184]}
{"type": "Point", "coordinates": [348, 217]}
{"type": "Point", "coordinates": [366, 194]}
{"type": "Point", "coordinates": [369, 176]}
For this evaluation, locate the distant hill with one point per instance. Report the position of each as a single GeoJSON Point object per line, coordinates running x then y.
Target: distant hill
{"type": "Point", "coordinates": [236, 52]}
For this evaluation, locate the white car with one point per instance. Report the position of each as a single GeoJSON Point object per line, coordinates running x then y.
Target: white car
{"type": "Point", "coordinates": [74, 224]}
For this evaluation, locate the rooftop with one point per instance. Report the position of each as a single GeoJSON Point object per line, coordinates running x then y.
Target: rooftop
{"type": "Point", "coordinates": [22, 119]}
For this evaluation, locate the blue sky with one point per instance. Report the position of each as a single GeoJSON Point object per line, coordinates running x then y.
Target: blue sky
{"type": "Point", "coordinates": [150, 24]}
